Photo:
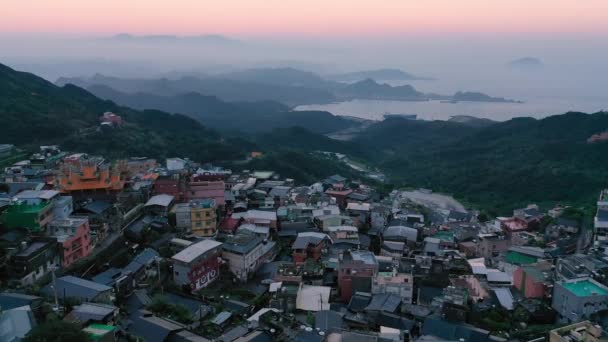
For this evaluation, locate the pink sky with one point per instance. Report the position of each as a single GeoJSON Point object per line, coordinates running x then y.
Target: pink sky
{"type": "Point", "coordinates": [303, 17]}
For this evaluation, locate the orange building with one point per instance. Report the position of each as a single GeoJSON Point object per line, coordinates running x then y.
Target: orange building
{"type": "Point", "coordinates": [89, 176]}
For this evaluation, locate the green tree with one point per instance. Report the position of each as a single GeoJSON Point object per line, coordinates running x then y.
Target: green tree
{"type": "Point", "coordinates": [57, 331]}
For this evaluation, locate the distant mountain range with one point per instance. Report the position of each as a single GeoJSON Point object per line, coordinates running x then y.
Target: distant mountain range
{"type": "Point", "coordinates": [244, 117]}
{"type": "Point", "coordinates": [526, 63]}
{"type": "Point", "coordinates": [289, 86]}
{"type": "Point", "coordinates": [378, 74]}
{"type": "Point", "coordinates": [207, 39]}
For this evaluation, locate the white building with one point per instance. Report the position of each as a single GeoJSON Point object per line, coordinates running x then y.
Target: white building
{"type": "Point", "coordinates": [601, 217]}
{"type": "Point", "coordinates": [245, 252]}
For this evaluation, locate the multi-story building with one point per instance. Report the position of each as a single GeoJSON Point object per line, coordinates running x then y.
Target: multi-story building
{"type": "Point", "coordinates": [246, 252]}
{"type": "Point", "coordinates": [32, 210]}
{"type": "Point", "coordinates": [170, 184]}
{"type": "Point", "coordinates": [576, 300]}
{"type": "Point", "coordinates": [63, 207]}
{"type": "Point", "coordinates": [198, 265]}
{"type": "Point", "coordinates": [198, 217]}
{"type": "Point", "coordinates": [198, 189]}
{"type": "Point", "coordinates": [74, 237]}
{"type": "Point", "coordinates": [80, 176]}
{"type": "Point", "coordinates": [34, 260]}
{"type": "Point", "coordinates": [534, 281]}
{"type": "Point", "coordinates": [203, 217]}
{"type": "Point", "coordinates": [355, 272]}
{"type": "Point", "coordinates": [601, 217]}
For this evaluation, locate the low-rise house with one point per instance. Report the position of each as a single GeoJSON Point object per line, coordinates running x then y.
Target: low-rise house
{"type": "Point", "coordinates": [344, 237]}
{"type": "Point", "coordinates": [360, 212]}
{"type": "Point", "coordinates": [159, 204]}
{"type": "Point", "coordinates": [246, 252]}
{"type": "Point", "coordinates": [80, 289]}
{"type": "Point", "coordinates": [323, 222]}
{"type": "Point", "coordinates": [580, 266]}
{"type": "Point", "coordinates": [400, 284]}
{"type": "Point", "coordinates": [74, 237]}
{"type": "Point", "coordinates": [260, 231]}
{"type": "Point", "coordinates": [313, 298]}
{"type": "Point", "coordinates": [198, 265]}
{"type": "Point", "coordinates": [16, 323]}
{"type": "Point", "coordinates": [10, 300]}
{"type": "Point", "coordinates": [87, 313]}
{"type": "Point", "coordinates": [491, 245]}
{"type": "Point", "coordinates": [511, 225]}
{"type": "Point", "coordinates": [400, 234]}
{"type": "Point", "coordinates": [584, 331]}
{"type": "Point", "coordinates": [259, 218]}
{"type": "Point", "coordinates": [356, 270]}
{"type": "Point", "coordinates": [309, 246]}
{"type": "Point", "coordinates": [578, 299]}
{"type": "Point", "coordinates": [393, 249]}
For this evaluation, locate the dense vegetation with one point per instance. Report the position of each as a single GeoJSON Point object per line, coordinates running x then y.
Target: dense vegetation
{"type": "Point", "coordinates": [34, 111]}
{"type": "Point", "coordinates": [501, 166]}
{"type": "Point", "coordinates": [249, 117]}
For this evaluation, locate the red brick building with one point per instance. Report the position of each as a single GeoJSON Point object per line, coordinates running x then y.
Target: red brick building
{"type": "Point", "coordinates": [309, 246]}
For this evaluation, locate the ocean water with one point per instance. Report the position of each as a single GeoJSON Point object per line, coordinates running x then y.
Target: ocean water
{"type": "Point", "coordinates": [436, 110]}
{"type": "Point", "coordinates": [543, 94]}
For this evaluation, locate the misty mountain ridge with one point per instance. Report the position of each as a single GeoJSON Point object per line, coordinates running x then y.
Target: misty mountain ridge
{"type": "Point", "coordinates": [386, 74]}
{"type": "Point", "coordinates": [289, 86]}
{"type": "Point", "coordinates": [205, 38]}
{"type": "Point", "coordinates": [526, 63]}
{"type": "Point", "coordinates": [244, 117]}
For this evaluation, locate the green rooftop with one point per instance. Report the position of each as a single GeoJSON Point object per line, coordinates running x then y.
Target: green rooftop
{"type": "Point", "coordinates": [517, 258]}
{"type": "Point", "coordinates": [585, 288]}
{"type": "Point", "coordinates": [97, 331]}
{"type": "Point", "coordinates": [445, 235]}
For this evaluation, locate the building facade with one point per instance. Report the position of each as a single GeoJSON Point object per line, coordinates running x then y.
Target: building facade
{"type": "Point", "coordinates": [576, 300]}
{"type": "Point", "coordinates": [74, 237]}
{"type": "Point", "coordinates": [198, 265]}
{"type": "Point", "coordinates": [355, 272]}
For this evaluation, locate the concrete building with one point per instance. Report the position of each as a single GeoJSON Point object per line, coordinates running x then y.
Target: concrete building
{"type": "Point", "coordinates": [534, 281]}
{"type": "Point", "coordinates": [601, 217]}
{"type": "Point", "coordinates": [576, 300]}
{"type": "Point", "coordinates": [355, 272]}
{"type": "Point", "coordinates": [198, 217]}
{"type": "Point", "coordinates": [34, 260]}
{"type": "Point", "coordinates": [198, 189]}
{"type": "Point", "coordinates": [582, 332]}
{"type": "Point", "coordinates": [74, 237]}
{"type": "Point", "coordinates": [246, 252]}
{"type": "Point", "coordinates": [203, 217]}
{"type": "Point", "coordinates": [400, 284]}
{"type": "Point", "coordinates": [32, 209]}
{"type": "Point", "coordinates": [198, 265]}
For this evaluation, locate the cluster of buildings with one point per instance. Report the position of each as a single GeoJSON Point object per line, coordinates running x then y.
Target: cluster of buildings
{"type": "Point", "coordinates": [181, 251]}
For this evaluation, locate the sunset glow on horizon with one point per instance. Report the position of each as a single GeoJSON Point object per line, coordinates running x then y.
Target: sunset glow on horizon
{"type": "Point", "coordinates": [312, 17]}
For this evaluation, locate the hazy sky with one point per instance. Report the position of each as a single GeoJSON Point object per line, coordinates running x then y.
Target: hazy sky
{"type": "Point", "coordinates": [304, 17]}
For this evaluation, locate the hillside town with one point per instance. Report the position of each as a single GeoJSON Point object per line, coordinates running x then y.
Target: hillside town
{"type": "Point", "coordinates": [180, 250]}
